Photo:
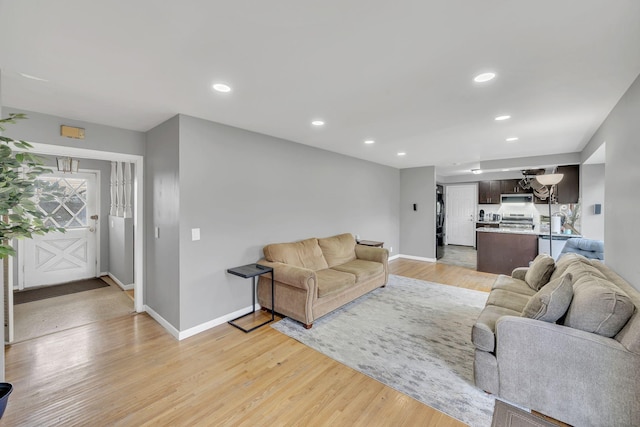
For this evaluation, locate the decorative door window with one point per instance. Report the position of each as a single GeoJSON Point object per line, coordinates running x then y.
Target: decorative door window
{"type": "Point", "coordinates": [63, 200]}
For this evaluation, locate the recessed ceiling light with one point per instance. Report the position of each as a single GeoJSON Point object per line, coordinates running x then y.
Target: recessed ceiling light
{"type": "Point", "coordinates": [402, 153]}
{"type": "Point", "coordinates": [221, 87]}
{"type": "Point", "coordinates": [29, 76]}
{"type": "Point", "coordinates": [484, 77]}
{"type": "Point", "coordinates": [476, 171]}
{"type": "Point", "coordinates": [511, 139]}
{"type": "Point", "coordinates": [317, 123]}
{"type": "Point", "coordinates": [501, 118]}
{"type": "Point", "coordinates": [369, 141]}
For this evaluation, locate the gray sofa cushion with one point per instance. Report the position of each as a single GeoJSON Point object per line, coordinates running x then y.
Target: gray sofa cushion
{"type": "Point", "coordinates": [514, 285]}
{"type": "Point", "coordinates": [507, 299]}
{"type": "Point", "coordinates": [483, 331]}
{"type": "Point", "coordinates": [598, 306]}
{"type": "Point", "coordinates": [539, 272]}
{"type": "Point", "coordinates": [564, 262]}
{"type": "Point", "coordinates": [552, 301]}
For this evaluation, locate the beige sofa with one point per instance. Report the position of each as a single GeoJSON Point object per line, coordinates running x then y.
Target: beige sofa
{"type": "Point", "coordinates": [315, 276]}
{"type": "Point", "coordinates": [570, 350]}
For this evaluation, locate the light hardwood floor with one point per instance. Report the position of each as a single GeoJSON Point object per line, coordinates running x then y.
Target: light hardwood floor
{"type": "Point", "coordinates": [130, 371]}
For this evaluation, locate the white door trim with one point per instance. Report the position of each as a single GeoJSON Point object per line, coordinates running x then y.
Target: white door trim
{"type": "Point", "coordinates": [138, 200]}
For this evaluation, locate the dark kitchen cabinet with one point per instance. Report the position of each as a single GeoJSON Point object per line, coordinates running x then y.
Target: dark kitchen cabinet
{"type": "Point", "coordinates": [567, 190]}
{"type": "Point", "coordinates": [569, 187]}
{"type": "Point", "coordinates": [489, 192]}
{"type": "Point", "coordinates": [512, 186]}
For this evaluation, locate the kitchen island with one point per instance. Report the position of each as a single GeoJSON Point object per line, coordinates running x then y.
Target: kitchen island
{"type": "Point", "coordinates": [500, 250]}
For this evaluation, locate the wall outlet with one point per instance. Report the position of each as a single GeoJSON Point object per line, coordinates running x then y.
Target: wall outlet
{"type": "Point", "coordinates": [157, 232]}
{"type": "Point", "coordinates": [195, 234]}
{"type": "Point", "coordinates": [390, 249]}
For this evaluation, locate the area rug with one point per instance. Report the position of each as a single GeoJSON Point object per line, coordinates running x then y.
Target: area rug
{"type": "Point", "coordinates": [505, 415]}
{"type": "Point", "coordinates": [413, 336]}
{"type": "Point", "coordinates": [58, 290]}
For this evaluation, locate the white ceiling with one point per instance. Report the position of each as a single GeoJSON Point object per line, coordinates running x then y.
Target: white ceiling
{"type": "Point", "coordinates": [397, 72]}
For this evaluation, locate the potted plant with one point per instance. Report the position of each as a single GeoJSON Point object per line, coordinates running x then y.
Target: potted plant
{"type": "Point", "coordinates": [19, 214]}
{"type": "Point", "coordinates": [19, 171]}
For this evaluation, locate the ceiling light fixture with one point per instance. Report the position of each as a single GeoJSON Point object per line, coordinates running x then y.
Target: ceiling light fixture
{"type": "Point", "coordinates": [476, 171]}
{"type": "Point", "coordinates": [30, 77]}
{"type": "Point", "coordinates": [484, 77]}
{"type": "Point", "coordinates": [221, 87]}
{"type": "Point", "coordinates": [501, 118]}
{"type": "Point", "coordinates": [317, 123]}
{"type": "Point", "coordinates": [402, 153]}
{"type": "Point", "coordinates": [369, 141]}
{"type": "Point", "coordinates": [512, 139]}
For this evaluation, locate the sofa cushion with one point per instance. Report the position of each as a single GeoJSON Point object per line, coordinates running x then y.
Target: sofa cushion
{"type": "Point", "coordinates": [483, 331]}
{"type": "Point", "coordinates": [362, 269]}
{"type": "Point", "coordinates": [507, 299]}
{"type": "Point", "coordinates": [580, 269]}
{"type": "Point", "coordinates": [539, 272]}
{"type": "Point", "coordinates": [598, 306]}
{"type": "Point", "coordinates": [338, 249]}
{"type": "Point", "coordinates": [305, 253]}
{"type": "Point", "coordinates": [513, 285]}
{"type": "Point", "coordinates": [332, 281]}
{"type": "Point", "coordinates": [551, 302]}
{"type": "Point", "coordinates": [564, 262]}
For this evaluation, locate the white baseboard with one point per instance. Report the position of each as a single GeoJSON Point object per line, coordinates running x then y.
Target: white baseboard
{"type": "Point", "coordinates": [168, 326]}
{"type": "Point", "coordinates": [119, 283]}
{"type": "Point", "coordinates": [215, 322]}
{"type": "Point", "coordinates": [417, 258]}
{"type": "Point", "coordinates": [391, 258]}
{"type": "Point", "coordinates": [180, 335]}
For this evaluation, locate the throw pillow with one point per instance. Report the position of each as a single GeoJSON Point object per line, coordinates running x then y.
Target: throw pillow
{"type": "Point", "coordinates": [539, 272]}
{"type": "Point", "coordinates": [598, 306]}
{"type": "Point", "coordinates": [552, 301]}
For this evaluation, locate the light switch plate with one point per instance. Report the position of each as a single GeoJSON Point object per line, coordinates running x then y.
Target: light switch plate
{"type": "Point", "coordinates": [195, 234]}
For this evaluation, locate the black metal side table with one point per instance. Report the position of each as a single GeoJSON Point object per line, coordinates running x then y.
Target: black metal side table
{"type": "Point", "coordinates": [253, 270]}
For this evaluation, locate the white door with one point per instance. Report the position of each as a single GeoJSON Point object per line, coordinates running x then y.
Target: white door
{"type": "Point", "coordinates": [461, 207]}
{"type": "Point", "coordinates": [64, 257]}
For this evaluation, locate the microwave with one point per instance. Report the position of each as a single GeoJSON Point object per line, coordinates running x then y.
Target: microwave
{"type": "Point", "coordinates": [516, 198]}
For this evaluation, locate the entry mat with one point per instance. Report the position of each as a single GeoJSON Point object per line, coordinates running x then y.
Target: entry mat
{"type": "Point", "coordinates": [45, 292]}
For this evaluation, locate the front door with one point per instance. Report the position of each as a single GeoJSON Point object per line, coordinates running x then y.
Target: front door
{"type": "Point", "coordinates": [64, 257]}
{"type": "Point", "coordinates": [461, 208]}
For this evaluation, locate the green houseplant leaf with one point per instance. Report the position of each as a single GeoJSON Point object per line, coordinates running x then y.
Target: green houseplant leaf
{"type": "Point", "coordinates": [19, 172]}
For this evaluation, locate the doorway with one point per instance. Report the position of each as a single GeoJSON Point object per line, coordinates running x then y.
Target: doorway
{"type": "Point", "coordinates": [460, 206]}
{"type": "Point", "coordinates": [138, 223]}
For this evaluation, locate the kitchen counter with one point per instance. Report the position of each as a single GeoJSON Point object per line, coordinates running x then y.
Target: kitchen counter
{"type": "Point", "coordinates": [556, 236]}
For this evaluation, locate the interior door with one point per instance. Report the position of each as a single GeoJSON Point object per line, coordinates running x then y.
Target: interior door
{"type": "Point", "coordinates": [64, 257]}
{"type": "Point", "coordinates": [461, 207]}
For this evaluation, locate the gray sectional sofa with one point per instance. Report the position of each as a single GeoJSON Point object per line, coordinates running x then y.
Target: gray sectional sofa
{"type": "Point", "coordinates": [563, 339]}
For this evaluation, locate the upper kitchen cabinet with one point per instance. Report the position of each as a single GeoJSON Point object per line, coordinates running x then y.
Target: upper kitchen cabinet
{"type": "Point", "coordinates": [512, 186]}
{"type": "Point", "coordinates": [489, 192]}
{"type": "Point", "coordinates": [569, 188]}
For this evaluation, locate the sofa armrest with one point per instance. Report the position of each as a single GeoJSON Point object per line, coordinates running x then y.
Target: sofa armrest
{"type": "Point", "coordinates": [574, 376]}
{"type": "Point", "coordinates": [298, 277]}
{"type": "Point", "coordinates": [369, 253]}
{"type": "Point", "coordinates": [519, 273]}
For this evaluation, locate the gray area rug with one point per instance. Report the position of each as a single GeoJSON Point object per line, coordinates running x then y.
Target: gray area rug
{"type": "Point", "coordinates": [413, 336]}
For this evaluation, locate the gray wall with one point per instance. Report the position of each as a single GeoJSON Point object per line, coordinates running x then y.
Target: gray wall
{"type": "Point", "coordinates": [121, 251]}
{"type": "Point", "coordinates": [592, 183]}
{"type": "Point", "coordinates": [245, 190]}
{"type": "Point", "coordinates": [162, 192]}
{"type": "Point", "coordinates": [621, 132]}
{"type": "Point", "coordinates": [417, 228]}
{"type": "Point", "coordinates": [45, 129]}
